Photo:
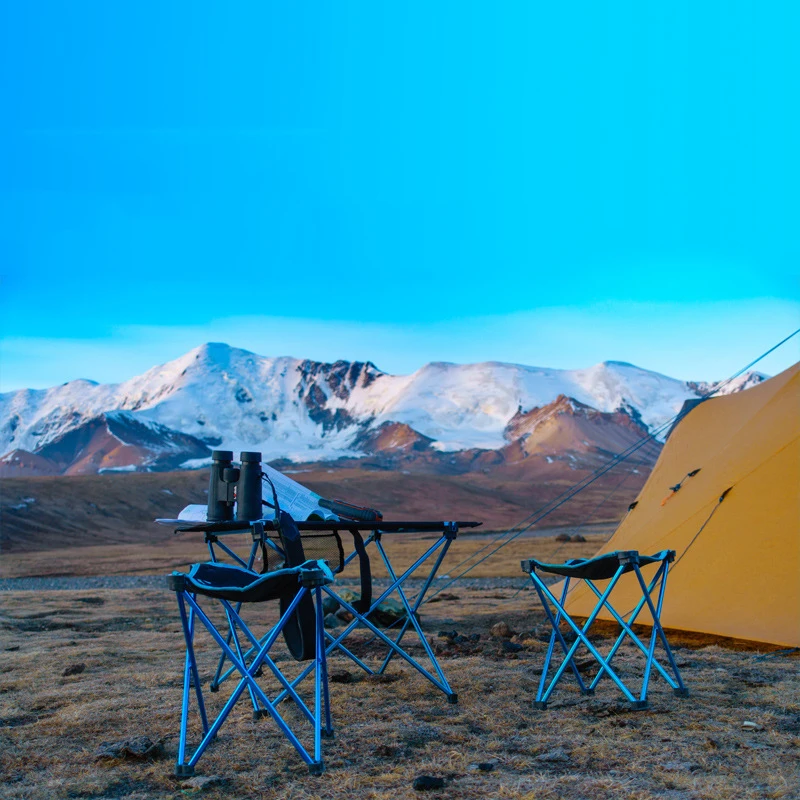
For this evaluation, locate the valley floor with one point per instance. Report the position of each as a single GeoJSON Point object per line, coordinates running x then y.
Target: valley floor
{"type": "Point", "coordinates": [84, 667]}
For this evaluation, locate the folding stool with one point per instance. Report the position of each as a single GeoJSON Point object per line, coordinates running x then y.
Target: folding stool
{"type": "Point", "coordinates": [611, 567]}
{"type": "Point", "coordinates": [231, 586]}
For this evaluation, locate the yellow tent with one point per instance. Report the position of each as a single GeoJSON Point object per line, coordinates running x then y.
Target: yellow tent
{"type": "Point", "coordinates": [737, 568]}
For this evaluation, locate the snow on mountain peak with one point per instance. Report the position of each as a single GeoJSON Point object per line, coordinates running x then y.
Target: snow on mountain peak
{"type": "Point", "coordinates": [738, 384]}
{"type": "Point", "coordinates": [308, 410]}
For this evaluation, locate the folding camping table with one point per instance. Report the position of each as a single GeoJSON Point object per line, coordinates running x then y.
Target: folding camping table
{"type": "Point", "coordinates": [215, 534]}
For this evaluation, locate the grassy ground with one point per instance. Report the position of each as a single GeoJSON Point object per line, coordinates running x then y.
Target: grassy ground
{"type": "Point", "coordinates": [124, 650]}
{"type": "Point", "coordinates": [186, 548]}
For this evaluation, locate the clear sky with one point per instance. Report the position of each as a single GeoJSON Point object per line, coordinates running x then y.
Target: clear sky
{"type": "Point", "coordinates": [545, 183]}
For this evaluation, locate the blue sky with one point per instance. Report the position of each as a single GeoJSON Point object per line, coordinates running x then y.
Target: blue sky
{"type": "Point", "coordinates": [542, 183]}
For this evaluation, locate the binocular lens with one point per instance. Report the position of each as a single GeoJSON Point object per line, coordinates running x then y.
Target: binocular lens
{"type": "Point", "coordinates": [229, 484]}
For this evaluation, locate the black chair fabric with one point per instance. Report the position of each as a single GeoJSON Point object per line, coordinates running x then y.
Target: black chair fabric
{"type": "Point", "coordinates": [601, 567]}
{"type": "Point", "coordinates": [237, 585]}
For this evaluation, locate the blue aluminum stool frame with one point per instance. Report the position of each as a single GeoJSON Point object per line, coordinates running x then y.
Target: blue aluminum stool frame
{"type": "Point", "coordinates": [226, 583]}
{"type": "Point", "coordinates": [611, 567]}
{"type": "Point", "coordinates": [259, 533]}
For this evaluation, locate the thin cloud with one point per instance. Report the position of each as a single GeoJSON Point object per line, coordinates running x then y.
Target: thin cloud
{"type": "Point", "coordinates": [706, 341]}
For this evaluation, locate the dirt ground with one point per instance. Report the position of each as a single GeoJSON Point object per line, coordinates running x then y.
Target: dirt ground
{"type": "Point", "coordinates": [82, 668]}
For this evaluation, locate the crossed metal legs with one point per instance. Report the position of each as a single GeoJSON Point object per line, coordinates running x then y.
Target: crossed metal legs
{"type": "Point", "coordinates": [547, 598]}
{"type": "Point", "coordinates": [248, 565]}
{"type": "Point", "coordinates": [361, 618]}
{"type": "Point", "coordinates": [258, 653]}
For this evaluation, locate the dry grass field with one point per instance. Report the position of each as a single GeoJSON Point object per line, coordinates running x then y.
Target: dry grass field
{"type": "Point", "coordinates": [83, 668]}
{"type": "Point", "coordinates": [183, 549]}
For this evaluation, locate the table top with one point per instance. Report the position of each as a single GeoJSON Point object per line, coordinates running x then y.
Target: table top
{"type": "Point", "coordinates": [383, 526]}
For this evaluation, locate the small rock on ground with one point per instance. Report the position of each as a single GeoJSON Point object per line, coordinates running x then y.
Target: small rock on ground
{"type": "Point", "coordinates": [438, 598]}
{"type": "Point", "coordinates": [500, 630]}
{"type": "Point", "coordinates": [201, 781]}
{"type": "Point", "coordinates": [135, 747]}
{"type": "Point", "coordinates": [423, 783]}
{"type": "Point", "coordinates": [329, 605]}
{"type": "Point", "coordinates": [558, 755]}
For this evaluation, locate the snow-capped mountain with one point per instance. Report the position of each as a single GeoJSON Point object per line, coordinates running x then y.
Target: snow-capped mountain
{"type": "Point", "coordinates": [744, 381]}
{"type": "Point", "coordinates": [301, 410]}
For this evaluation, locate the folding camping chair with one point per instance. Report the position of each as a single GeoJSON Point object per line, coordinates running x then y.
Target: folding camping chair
{"type": "Point", "coordinates": [611, 567]}
{"type": "Point", "coordinates": [299, 591]}
{"type": "Point", "coordinates": [278, 545]}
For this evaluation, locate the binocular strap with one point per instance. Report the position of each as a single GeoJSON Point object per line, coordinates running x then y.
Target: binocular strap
{"type": "Point", "coordinates": [365, 601]}
{"type": "Point", "coordinates": [299, 633]}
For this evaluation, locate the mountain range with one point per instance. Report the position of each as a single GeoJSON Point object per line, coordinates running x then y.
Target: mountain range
{"type": "Point", "coordinates": [444, 418]}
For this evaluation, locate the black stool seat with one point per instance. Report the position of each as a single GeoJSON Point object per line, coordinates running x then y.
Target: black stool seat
{"type": "Point", "coordinates": [607, 567]}
{"type": "Point", "coordinates": [601, 567]}
{"type": "Point", "coordinates": [228, 582]}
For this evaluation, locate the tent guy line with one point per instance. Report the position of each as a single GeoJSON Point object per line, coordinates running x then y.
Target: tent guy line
{"type": "Point", "coordinates": [554, 504]}
{"type": "Point", "coordinates": [537, 516]}
{"type": "Point", "coordinates": [580, 525]}
{"type": "Point", "coordinates": [735, 524]}
{"type": "Point", "coordinates": [702, 527]}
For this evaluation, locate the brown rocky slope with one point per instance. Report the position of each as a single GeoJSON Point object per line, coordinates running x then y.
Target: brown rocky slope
{"type": "Point", "coordinates": [550, 450]}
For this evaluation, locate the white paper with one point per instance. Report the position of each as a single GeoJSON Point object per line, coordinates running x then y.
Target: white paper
{"type": "Point", "coordinates": [194, 513]}
{"type": "Point", "coordinates": [293, 497]}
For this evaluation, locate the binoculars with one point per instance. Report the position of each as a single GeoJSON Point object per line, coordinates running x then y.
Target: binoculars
{"type": "Point", "coordinates": [231, 484]}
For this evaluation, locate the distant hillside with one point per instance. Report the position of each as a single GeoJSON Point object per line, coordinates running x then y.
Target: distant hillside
{"type": "Point", "coordinates": [48, 513]}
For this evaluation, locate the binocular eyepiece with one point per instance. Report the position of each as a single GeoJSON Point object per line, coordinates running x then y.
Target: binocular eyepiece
{"type": "Point", "coordinates": [229, 484]}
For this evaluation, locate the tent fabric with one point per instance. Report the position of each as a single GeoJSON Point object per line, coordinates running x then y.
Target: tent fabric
{"type": "Point", "coordinates": [735, 523]}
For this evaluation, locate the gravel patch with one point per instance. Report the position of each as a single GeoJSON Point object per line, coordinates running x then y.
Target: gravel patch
{"type": "Point", "coordinates": [72, 583]}
{"type": "Point", "coordinates": [79, 584]}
